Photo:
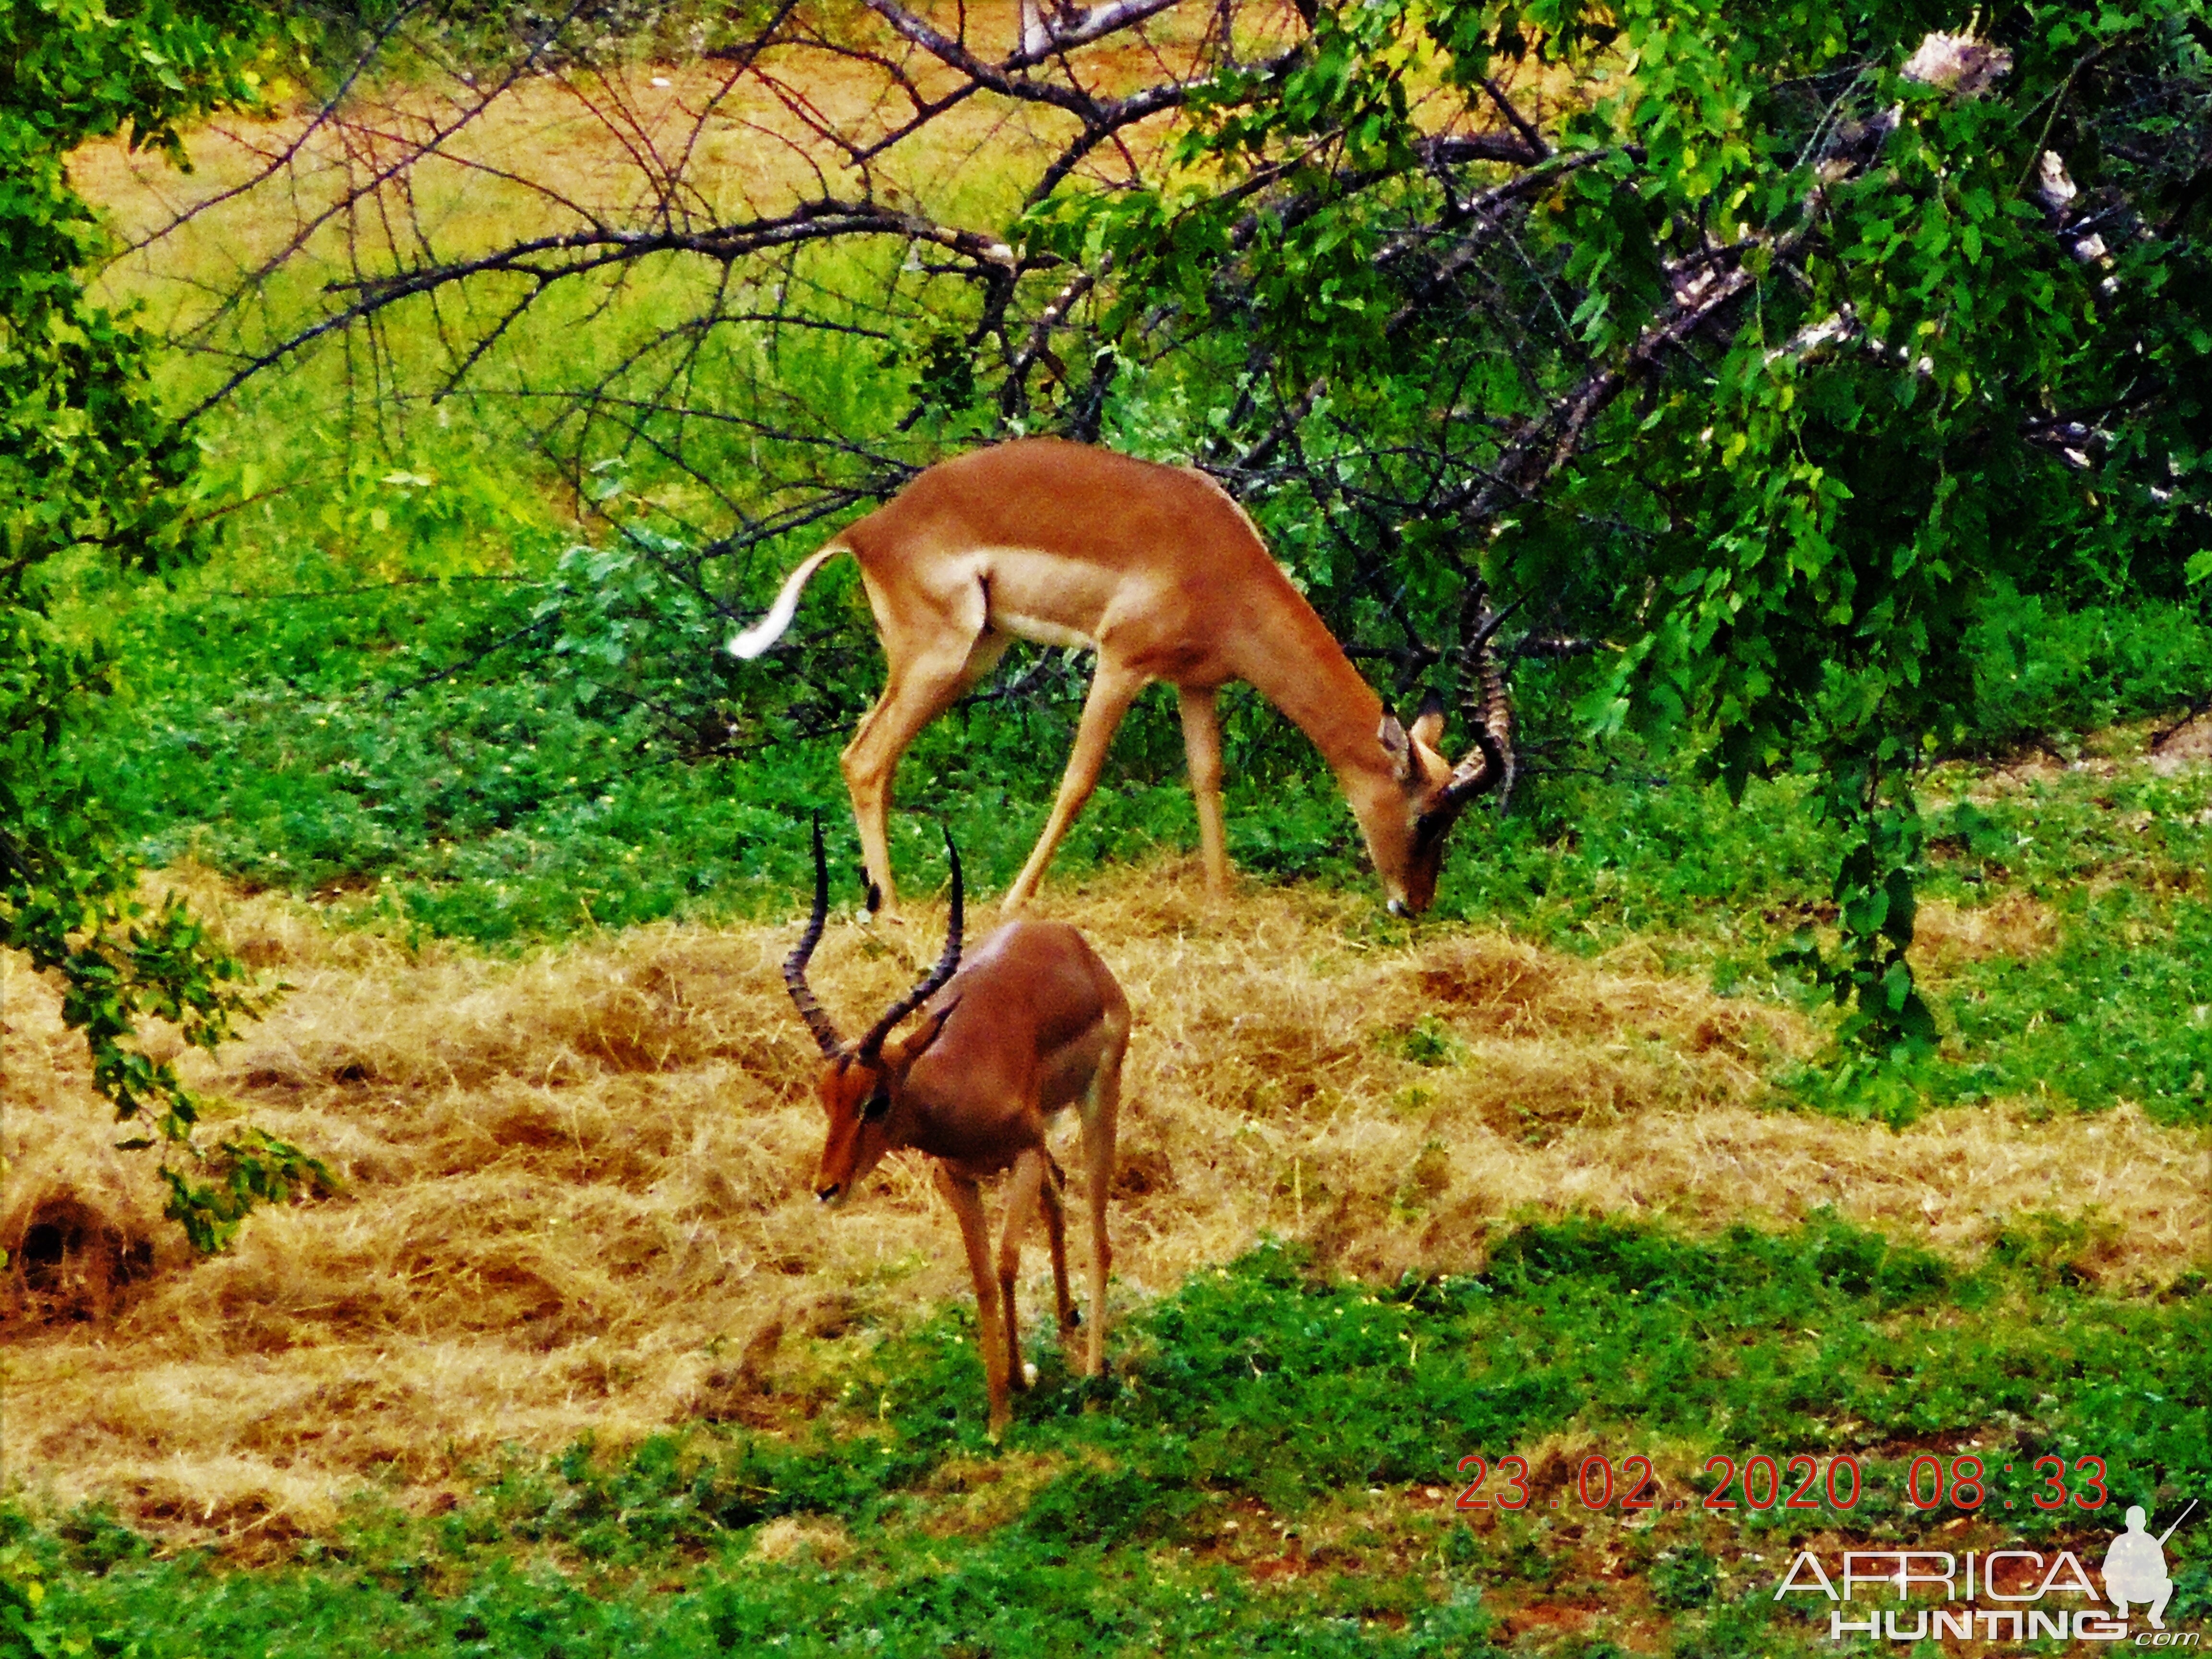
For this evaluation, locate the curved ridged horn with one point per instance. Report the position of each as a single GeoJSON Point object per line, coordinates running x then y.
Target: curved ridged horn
{"type": "Point", "coordinates": [947, 964]}
{"type": "Point", "coordinates": [794, 965]}
{"type": "Point", "coordinates": [1492, 721]}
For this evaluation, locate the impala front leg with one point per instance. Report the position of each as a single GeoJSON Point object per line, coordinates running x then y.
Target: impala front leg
{"type": "Point", "coordinates": [966, 1198]}
{"type": "Point", "coordinates": [1201, 742]}
{"type": "Point", "coordinates": [935, 648]}
{"type": "Point", "coordinates": [914, 698]}
{"type": "Point", "coordinates": [1112, 690]}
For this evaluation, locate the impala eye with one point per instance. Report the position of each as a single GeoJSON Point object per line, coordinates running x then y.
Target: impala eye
{"type": "Point", "coordinates": [878, 1104]}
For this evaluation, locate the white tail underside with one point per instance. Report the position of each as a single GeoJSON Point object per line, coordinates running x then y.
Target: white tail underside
{"type": "Point", "coordinates": [769, 628]}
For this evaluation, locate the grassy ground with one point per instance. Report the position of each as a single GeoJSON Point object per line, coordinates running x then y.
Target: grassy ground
{"type": "Point", "coordinates": [1382, 1205]}
{"type": "Point", "coordinates": [1278, 1465]}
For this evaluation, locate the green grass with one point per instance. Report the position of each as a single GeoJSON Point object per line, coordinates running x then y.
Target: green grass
{"type": "Point", "coordinates": [2118, 1010]}
{"type": "Point", "coordinates": [1294, 1407]}
{"type": "Point", "coordinates": [2122, 1006]}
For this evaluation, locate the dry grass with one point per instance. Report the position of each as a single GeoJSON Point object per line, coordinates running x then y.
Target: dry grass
{"type": "Point", "coordinates": [575, 1194]}
{"type": "Point", "coordinates": [2178, 746]}
{"type": "Point", "coordinates": [553, 153]}
{"type": "Point", "coordinates": [1947, 935]}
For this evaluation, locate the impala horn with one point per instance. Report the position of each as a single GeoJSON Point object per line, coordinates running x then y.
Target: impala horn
{"type": "Point", "coordinates": [871, 1045]}
{"type": "Point", "coordinates": [1489, 711]}
{"type": "Point", "coordinates": [794, 965]}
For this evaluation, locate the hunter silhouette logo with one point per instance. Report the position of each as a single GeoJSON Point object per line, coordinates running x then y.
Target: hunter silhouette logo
{"type": "Point", "coordinates": [2135, 1567]}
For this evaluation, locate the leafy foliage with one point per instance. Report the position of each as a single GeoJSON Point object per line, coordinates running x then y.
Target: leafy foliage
{"type": "Point", "coordinates": [1795, 338]}
{"type": "Point", "coordinates": [86, 456]}
{"type": "Point", "coordinates": [89, 460]}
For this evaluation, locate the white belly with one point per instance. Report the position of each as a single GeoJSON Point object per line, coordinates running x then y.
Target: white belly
{"type": "Point", "coordinates": [1042, 629]}
{"type": "Point", "coordinates": [1044, 597]}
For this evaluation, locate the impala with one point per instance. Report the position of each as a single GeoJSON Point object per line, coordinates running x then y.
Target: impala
{"type": "Point", "coordinates": [1160, 571]}
{"type": "Point", "coordinates": [1032, 1023]}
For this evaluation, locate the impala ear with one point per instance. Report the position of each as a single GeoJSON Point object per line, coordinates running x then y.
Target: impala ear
{"type": "Point", "coordinates": [1392, 736]}
{"type": "Point", "coordinates": [1429, 724]}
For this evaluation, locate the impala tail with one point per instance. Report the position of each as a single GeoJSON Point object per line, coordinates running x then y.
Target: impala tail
{"type": "Point", "coordinates": [769, 628]}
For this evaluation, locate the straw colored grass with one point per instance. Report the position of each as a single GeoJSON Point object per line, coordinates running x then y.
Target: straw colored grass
{"type": "Point", "coordinates": [575, 1193]}
{"type": "Point", "coordinates": [1947, 936]}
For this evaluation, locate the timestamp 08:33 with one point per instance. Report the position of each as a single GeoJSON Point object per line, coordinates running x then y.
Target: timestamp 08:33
{"type": "Point", "coordinates": [1764, 1483]}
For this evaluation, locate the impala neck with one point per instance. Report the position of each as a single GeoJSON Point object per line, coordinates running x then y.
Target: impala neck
{"type": "Point", "coordinates": [1293, 660]}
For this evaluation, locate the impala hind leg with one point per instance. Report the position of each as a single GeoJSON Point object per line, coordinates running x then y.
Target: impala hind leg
{"type": "Point", "coordinates": [1112, 690]}
{"type": "Point", "coordinates": [921, 688]}
{"type": "Point", "coordinates": [967, 1202]}
{"type": "Point", "coordinates": [1201, 742]}
{"type": "Point", "coordinates": [1055, 1224]}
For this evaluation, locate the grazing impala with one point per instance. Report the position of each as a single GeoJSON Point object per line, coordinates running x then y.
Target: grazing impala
{"type": "Point", "coordinates": [1159, 570]}
{"type": "Point", "coordinates": [1034, 1023]}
